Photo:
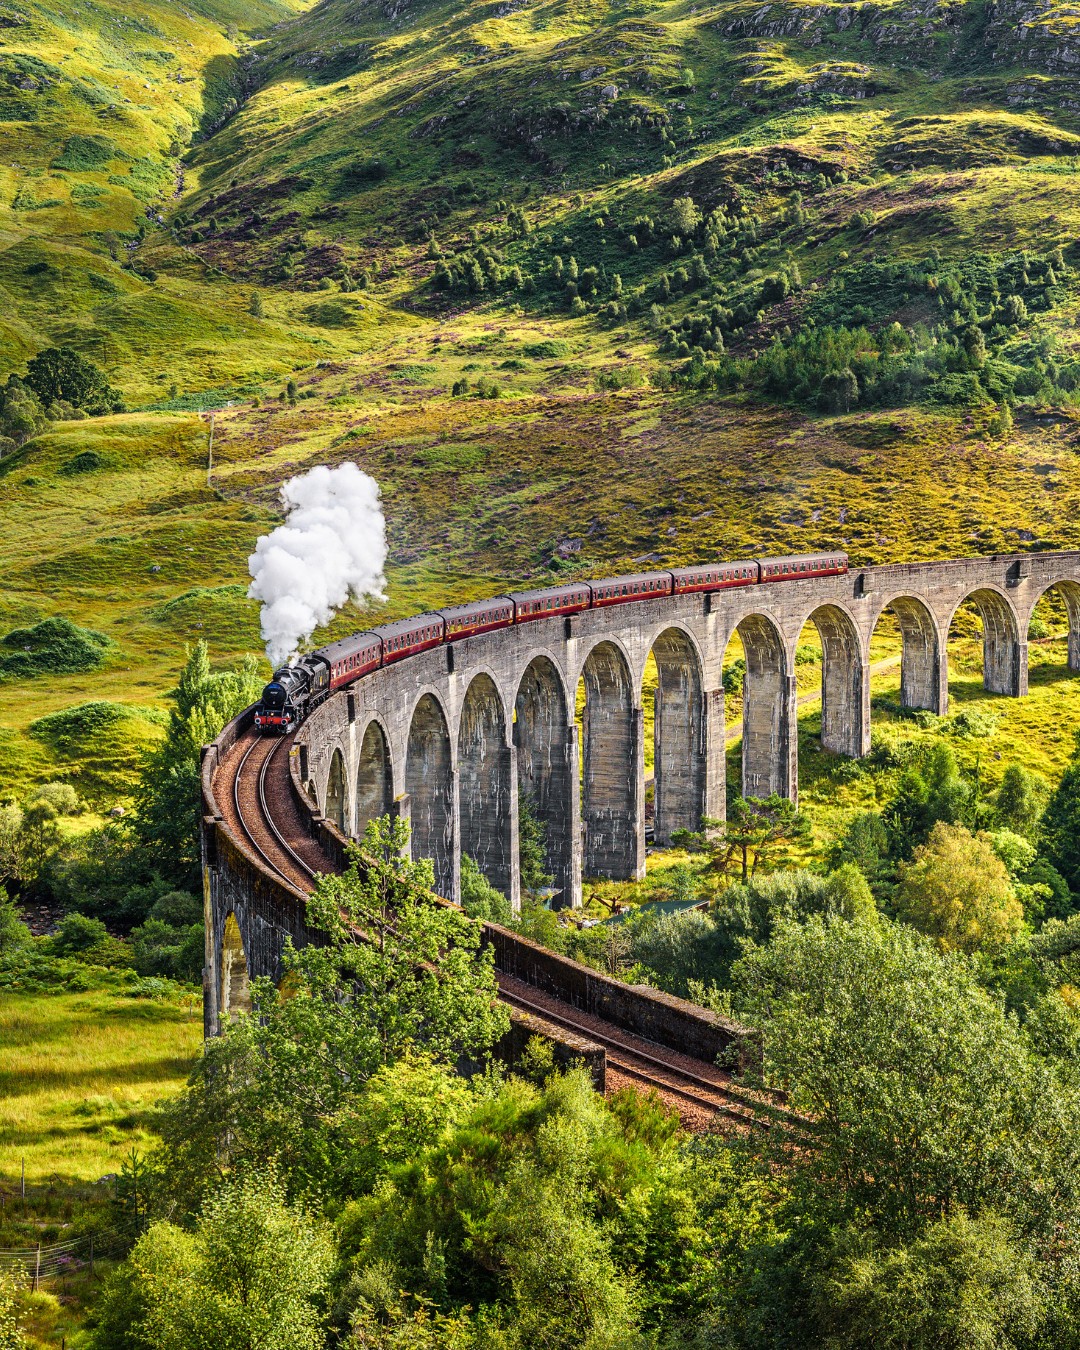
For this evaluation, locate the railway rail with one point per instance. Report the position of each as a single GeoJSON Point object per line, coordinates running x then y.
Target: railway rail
{"type": "Point", "coordinates": [262, 814]}
{"type": "Point", "coordinates": [706, 1087]}
{"type": "Point", "coordinates": [259, 777]}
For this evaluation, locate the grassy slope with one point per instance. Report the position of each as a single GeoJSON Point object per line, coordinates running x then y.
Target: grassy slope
{"type": "Point", "coordinates": [80, 1073]}
{"type": "Point", "coordinates": [941, 126]}
{"type": "Point", "coordinates": [79, 1077]}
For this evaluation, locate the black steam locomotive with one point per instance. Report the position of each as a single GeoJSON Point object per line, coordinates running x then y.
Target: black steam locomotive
{"type": "Point", "coordinates": [295, 690]}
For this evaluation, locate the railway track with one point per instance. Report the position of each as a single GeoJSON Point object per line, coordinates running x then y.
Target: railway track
{"type": "Point", "coordinates": [705, 1087]}
{"type": "Point", "coordinates": [255, 817]}
{"type": "Point", "coordinates": [259, 803]}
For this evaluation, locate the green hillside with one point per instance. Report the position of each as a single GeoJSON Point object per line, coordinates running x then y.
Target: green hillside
{"type": "Point", "coordinates": [581, 284]}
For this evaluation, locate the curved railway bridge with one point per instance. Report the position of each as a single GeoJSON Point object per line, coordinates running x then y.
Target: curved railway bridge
{"type": "Point", "coordinates": [452, 738]}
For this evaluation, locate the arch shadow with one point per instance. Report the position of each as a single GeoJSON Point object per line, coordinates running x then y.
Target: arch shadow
{"type": "Point", "coordinates": [546, 745]}
{"type": "Point", "coordinates": [1004, 666]}
{"type": "Point", "coordinates": [234, 992]}
{"type": "Point", "coordinates": [1069, 591]}
{"type": "Point", "coordinates": [484, 767]}
{"type": "Point", "coordinates": [374, 777]}
{"type": "Point", "coordinates": [768, 740]}
{"type": "Point", "coordinates": [429, 783]}
{"type": "Point", "coordinates": [612, 798]}
{"type": "Point", "coordinates": [679, 750]}
{"type": "Point", "coordinates": [844, 695]}
{"type": "Point", "coordinates": [337, 792]}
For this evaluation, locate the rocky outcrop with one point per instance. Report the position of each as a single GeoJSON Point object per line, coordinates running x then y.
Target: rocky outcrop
{"type": "Point", "coordinates": [915, 30]}
{"type": "Point", "coordinates": [1040, 33]}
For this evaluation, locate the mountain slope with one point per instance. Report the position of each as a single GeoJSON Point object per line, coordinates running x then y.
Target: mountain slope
{"type": "Point", "coordinates": [456, 157]}
{"type": "Point", "coordinates": [585, 286]}
{"type": "Point", "coordinates": [98, 102]}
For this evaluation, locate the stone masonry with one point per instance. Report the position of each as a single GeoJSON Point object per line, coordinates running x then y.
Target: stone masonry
{"type": "Point", "coordinates": [456, 737]}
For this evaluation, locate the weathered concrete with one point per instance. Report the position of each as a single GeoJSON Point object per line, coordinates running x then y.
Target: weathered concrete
{"type": "Point", "coordinates": [646, 1012]}
{"type": "Point", "coordinates": [680, 750]}
{"type": "Point", "coordinates": [613, 777]}
{"type": "Point", "coordinates": [430, 782]}
{"type": "Point", "coordinates": [432, 738]}
{"type": "Point", "coordinates": [486, 770]}
{"type": "Point", "coordinates": [337, 791]}
{"type": "Point", "coordinates": [845, 684]}
{"type": "Point", "coordinates": [374, 779]}
{"type": "Point", "coordinates": [1070, 595]}
{"type": "Point", "coordinates": [545, 739]}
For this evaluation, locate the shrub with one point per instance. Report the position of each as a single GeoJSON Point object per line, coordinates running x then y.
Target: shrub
{"type": "Point", "coordinates": [624, 377]}
{"type": "Point", "coordinates": [55, 646]}
{"type": "Point", "coordinates": [78, 934]}
{"type": "Point", "coordinates": [70, 729]}
{"type": "Point", "coordinates": [86, 461]}
{"type": "Point", "coordinates": [85, 154]}
{"type": "Point", "coordinates": [479, 899]}
{"type": "Point", "coordinates": [364, 171]}
{"type": "Point", "coordinates": [162, 949]}
{"type": "Point", "coordinates": [958, 890]}
{"type": "Point", "coordinates": [546, 350]}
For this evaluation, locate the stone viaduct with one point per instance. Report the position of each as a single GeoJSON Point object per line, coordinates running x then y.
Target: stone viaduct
{"type": "Point", "coordinates": [454, 737]}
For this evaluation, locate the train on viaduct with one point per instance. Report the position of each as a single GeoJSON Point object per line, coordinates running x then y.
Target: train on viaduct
{"type": "Point", "coordinates": [454, 737]}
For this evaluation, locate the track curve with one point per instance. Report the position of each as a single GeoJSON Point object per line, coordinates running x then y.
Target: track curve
{"type": "Point", "coordinates": [254, 793]}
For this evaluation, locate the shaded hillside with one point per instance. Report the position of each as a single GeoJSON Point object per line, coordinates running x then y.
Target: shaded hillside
{"type": "Point", "coordinates": [97, 105]}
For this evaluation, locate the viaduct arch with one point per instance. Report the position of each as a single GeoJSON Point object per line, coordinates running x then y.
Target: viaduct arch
{"type": "Point", "coordinates": [457, 738]}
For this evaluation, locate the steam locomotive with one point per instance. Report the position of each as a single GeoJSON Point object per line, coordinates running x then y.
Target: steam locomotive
{"type": "Point", "coordinates": [296, 690]}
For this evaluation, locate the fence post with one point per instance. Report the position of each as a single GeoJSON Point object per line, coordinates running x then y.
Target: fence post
{"type": "Point", "coordinates": [37, 1268]}
{"type": "Point", "coordinates": [22, 1183]}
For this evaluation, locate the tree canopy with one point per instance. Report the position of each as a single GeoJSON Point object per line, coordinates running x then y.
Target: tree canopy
{"type": "Point", "coordinates": [62, 375]}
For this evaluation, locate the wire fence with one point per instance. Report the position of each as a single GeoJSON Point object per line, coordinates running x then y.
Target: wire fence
{"type": "Point", "coordinates": [32, 1265]}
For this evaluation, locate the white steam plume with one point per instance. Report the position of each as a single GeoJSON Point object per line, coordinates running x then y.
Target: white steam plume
{"type": "Point", "coordinates": [332, 546]}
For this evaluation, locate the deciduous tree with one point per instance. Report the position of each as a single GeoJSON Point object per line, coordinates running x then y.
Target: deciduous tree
{"type": "Point", "coordinates": [401, 974]}
{"type": "Point", "coordinates": [959, 891]}
{"type": "Point", "coordinates": [60, 374]}
{"type": "Point", "coordinates": [926, 1097]}
{"type": "Point", "coordinates": [251, 1276]}
{"type": "Point", "coordinates": [1060, 827]}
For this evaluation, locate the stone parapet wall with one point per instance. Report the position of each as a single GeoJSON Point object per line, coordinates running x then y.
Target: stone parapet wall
{"type": "Point", "coordinates": [649, 1013]}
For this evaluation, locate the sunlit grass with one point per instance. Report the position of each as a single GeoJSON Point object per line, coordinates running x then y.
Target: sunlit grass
{"type": "Point", "coordinates": [79, 1074]}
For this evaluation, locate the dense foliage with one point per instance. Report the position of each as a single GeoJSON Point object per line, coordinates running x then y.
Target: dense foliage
{"type": "Point", "coordinates": [66, 380]}
{"type": "Point", "coordinates": [923, 1189]}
